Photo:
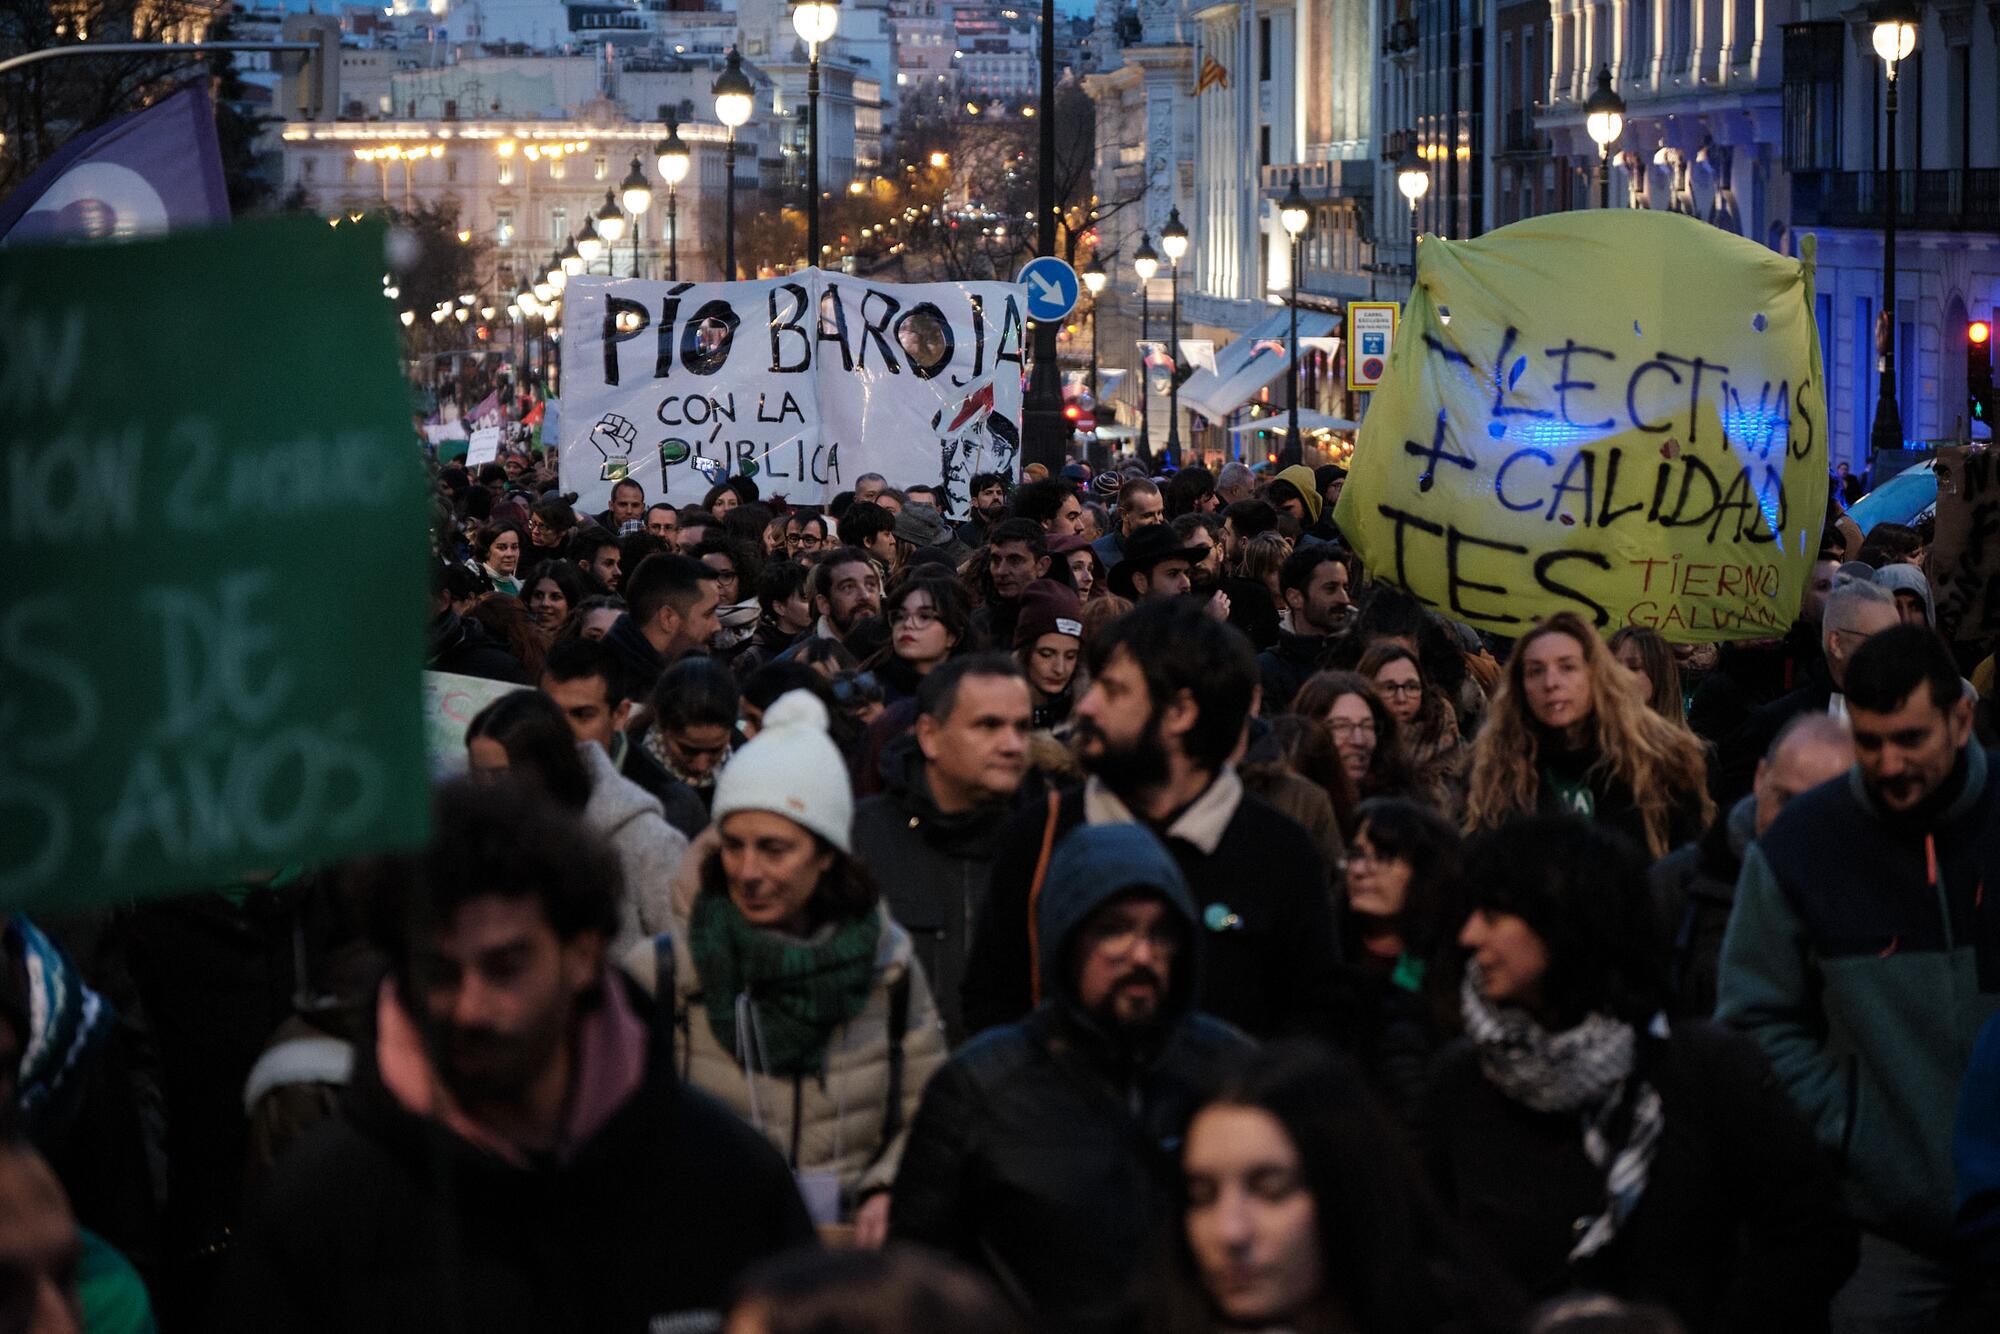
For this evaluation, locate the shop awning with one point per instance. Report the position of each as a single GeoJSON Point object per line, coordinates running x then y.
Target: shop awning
{"type": "Point", "coordinates": [1250, 363]}
{"type": "Point", "coordinates": [1310, 419]}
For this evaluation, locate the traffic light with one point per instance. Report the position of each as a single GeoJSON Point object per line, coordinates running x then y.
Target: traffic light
{"type": "Point", "coordinates": [1979, 371]}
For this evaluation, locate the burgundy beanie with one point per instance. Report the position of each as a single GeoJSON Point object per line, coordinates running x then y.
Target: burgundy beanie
{"type": "Point", "coordinates": [1048, 608]}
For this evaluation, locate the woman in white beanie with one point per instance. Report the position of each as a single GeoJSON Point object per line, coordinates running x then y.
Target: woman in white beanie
{"type": "Point", "coordinates": [798, 1001]}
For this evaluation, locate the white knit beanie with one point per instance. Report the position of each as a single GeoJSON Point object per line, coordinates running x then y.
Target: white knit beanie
{"type": "Point", "coordinates": [791, 768]}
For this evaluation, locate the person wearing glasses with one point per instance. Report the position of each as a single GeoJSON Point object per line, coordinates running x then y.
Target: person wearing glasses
{"type": "Point", "coordinates": [1043, 1154]}
{"type": "Point", "coordinates": [1364, 731]}
{"type": "Point", "coordinates": [1426, 724]}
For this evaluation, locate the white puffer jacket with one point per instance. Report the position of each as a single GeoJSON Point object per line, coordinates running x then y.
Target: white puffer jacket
{"type": "Point", "coordinates": [834, 1121]}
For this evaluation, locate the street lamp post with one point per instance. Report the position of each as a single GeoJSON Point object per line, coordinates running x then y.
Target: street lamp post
{"type": "Point", "coordinates": [1413, 178]}
{"type": "Point", "coordinates": [1604, 122]}
{"type": "Point", "coordinates": [589, 244]}
{"type": "Point", "coordinates": [1146, 263]}
{"type": "Point", "coordinates": [611, 229]}
{"type": "Point", "coordinates": [815, 21]}
{"type": "Point", "coordinates": [1174, 240]}
{"type": "Point", "coordinates": [637, 196]}
{"type": "Point", "coordinates": [1043, 426]}
{"type": "Point", "coordinates": [733, 98]}
{"type": "Point", "coordinates": [672, 158]}
{"type": "Point", "coordinates": [1294, 213]}
{"type": "Point", "coordinates": [1094, 278]}
{"type": "Point", "coordinates": [1895, 39]}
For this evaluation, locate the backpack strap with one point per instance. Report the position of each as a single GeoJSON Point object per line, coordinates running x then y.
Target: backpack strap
{"type": "Point", "coordinates": [899, 1020]}
{"type": "Point", "coordinates": [1035, 897]}
{"type": "Point", "coordinates": [666, 1001]}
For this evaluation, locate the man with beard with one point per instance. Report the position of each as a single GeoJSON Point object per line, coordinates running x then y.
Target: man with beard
{"type": "Point", "coordinates": [988, 494]}
{"type": "Point", "coordinates": [1314, 581]}
{"type": "Point", "coordinates": [1861, 957]}
{"type": "Point", "coordinates": [1042, 1152]}
{"type": "Point", "coordinates": [846, 590]}
{"type": "Point", "coordinates": [1170, 692]}
{"type": "Point", "coordinates": [516, 1153]}
{"type": "Point", "coordinates": [1016, 556]}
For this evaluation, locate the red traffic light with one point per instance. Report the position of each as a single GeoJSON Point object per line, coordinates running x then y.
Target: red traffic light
{"type": "Point", "coordinates": [1072, 412]}
{"type": "Point", "coordinates": [1978, 331]}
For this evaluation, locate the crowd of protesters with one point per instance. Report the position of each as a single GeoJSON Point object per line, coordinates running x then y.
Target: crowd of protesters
{"type": "Point", "coordinates": [1114, 911]}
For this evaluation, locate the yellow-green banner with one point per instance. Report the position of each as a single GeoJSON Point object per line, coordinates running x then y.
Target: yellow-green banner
{"type": "Point", "coordinates": [1615, 412]}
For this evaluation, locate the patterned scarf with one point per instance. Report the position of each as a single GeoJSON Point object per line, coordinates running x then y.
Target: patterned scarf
{"type": "Point", "coordinates": [656, 746]}
{"type": "Point", "coordinates": [794, 992]}
{"type": "Point", "coordinates": [1586, 1071]}
{"type": "Point", "coordinates": [67, 1023]}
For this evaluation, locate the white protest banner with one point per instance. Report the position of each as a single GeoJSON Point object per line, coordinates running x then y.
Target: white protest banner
{"type": "Point", "coordinates": [680, 386]}
{"type": "Point", "coordinates": [484, 448]}
{"type": "Point", "coordinates": [439, 432]}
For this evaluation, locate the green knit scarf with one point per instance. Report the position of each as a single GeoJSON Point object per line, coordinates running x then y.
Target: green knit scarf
{"type": "Point", "coordinates": [801, 989]}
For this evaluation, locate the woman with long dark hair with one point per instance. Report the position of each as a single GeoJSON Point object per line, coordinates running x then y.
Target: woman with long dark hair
{"type": "Point", "coordinates": [1402, 889]}
{"type": "Point", "coordinates": [1590, 1144]}
{"type": "Point", "coordinates": [525, 732]}
{"type": "Point", "coordinates": [1302, 1211]}
{"type": "Point", "coordinates": [1364, 731]}
{"type": "Point", "coordinates": [553, 590]}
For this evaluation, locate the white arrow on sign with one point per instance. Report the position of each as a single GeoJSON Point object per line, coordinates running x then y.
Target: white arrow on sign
{"type": "Point", "coordinates": [1046, 290]}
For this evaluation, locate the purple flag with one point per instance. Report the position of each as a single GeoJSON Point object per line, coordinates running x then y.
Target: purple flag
{"type": "Point", "coordinates": [151, 171]}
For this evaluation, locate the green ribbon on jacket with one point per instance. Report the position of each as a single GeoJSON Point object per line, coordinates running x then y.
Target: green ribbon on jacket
{"type": "Point", "coordinates": [800, 990]}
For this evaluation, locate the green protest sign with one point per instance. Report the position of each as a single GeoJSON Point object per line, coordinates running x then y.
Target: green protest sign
{"type": "Point", "coordinates": [214, 523]}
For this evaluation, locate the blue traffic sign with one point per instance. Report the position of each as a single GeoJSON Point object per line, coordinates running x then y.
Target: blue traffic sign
{"type": "Point", "coordinates": [1052, 288]}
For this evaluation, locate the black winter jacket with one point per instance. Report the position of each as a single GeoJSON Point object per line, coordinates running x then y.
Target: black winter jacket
{"type": "Point", "coordinates": [933, 868]}
{"type": "Point", "coordinates": [1694, 889]}
{"type": "Point", "coordinates": [462, 647]}
{"type": "Point", "coordinates": [1046, 1155]}
{"type": "Point", "coordinates": [1272, 961]}
{"type": "Point", "coordinates": [1285, 667]}
{"type": "Point", "coordinates": [384, 1221]}
{"type": "Point", "coordinates": [1740, 1226]}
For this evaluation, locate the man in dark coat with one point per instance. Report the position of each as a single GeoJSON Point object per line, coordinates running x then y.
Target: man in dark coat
{"type": "Point", "coordinates": [1314, 582]}
{"type": "Point", "coordinates": [1694, 886]}
{"type": "Point", "coordinates": [950, 785]}
{"type": "Point", "coordinates": [460, 645]}
{"type": "Point", "coordinates": [1169, 696]}
{"type": "Point", "coordinates": [1861, 957]}
{"type": "Point", "coordinates": [516, 1152]}
{"type": "Point", "coordinates": [1045, 1152]}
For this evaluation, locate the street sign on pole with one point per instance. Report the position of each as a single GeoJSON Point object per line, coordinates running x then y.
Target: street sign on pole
{"type": "Point", "coordinates": [1371, 331]}
{"type": "Point", "coordinates": [1052, 287]}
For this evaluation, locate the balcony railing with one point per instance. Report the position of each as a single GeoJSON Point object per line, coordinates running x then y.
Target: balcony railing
{"type": "Point", "coordinates": [1952, 201]}
{"type": "Point", "coordinates": [1344, 178]}
{"type": "Point", "coordinates": [1519, 135]}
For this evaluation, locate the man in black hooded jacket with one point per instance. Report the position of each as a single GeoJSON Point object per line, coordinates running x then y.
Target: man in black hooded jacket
{"type": "Point", "coordinates": [1045, 1152]}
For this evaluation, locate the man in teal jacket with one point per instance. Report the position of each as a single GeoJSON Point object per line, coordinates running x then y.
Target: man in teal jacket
{"type": "Point", "coordinates": [1864, 956]}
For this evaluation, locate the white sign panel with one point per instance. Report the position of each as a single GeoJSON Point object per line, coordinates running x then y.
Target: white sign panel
{"type": "Point", "coordinates": [484, 447]}
{"type": "Point", "coordinates": [680, 386]}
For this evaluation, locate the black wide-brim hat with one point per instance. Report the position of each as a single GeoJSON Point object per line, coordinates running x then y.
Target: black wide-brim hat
{"type": "Point", "coordinates": [1143, 550]}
